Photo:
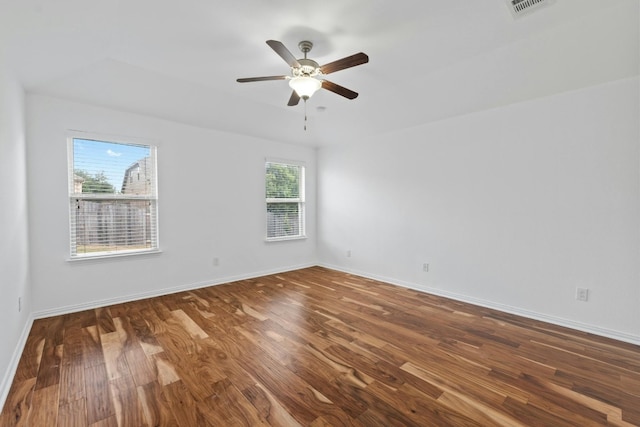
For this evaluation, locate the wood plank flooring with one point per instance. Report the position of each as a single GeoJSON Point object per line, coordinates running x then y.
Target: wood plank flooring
{"type": "Point", "coordinates": [316, 347]}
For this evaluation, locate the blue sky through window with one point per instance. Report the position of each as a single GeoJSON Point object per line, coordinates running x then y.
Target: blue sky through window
{"type": "Point", "coordinates": [110, 158]}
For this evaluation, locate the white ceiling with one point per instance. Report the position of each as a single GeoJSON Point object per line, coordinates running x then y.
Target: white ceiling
{"type": "Point", "coordinates": [429, 59]}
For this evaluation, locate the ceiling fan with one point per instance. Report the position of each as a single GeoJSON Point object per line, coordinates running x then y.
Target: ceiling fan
{"type": "Point", "coordinates": [307, 76]}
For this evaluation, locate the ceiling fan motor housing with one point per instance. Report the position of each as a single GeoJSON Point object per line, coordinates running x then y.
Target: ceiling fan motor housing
{"type": "Point", "coordinates": [308, 68]}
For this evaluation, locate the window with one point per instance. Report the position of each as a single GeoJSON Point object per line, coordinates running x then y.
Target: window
{"type": "Point", "coordinates": [112, 198]}
{"type": "Point", "coordinates": [285, 200]}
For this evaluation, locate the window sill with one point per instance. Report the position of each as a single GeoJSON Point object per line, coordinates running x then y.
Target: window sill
{"type": "Point", "coordinates": [102, 256]}
{"type": "Point", "coordinates": [284, 239]}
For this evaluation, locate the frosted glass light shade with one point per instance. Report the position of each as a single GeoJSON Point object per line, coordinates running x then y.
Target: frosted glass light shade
{"type": "Point", "coordinates": [305, 86]}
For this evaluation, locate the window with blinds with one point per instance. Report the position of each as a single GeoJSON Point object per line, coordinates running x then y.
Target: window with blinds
{"type": "Point", "coordinates": [112, 198]}
{"type": "Point", "coordinates": [285, 200]}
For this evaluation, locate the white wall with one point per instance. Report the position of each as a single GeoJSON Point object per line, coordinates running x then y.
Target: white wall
{"type": "Point", "coordinates": [14, 257]}
{"type": "Point", "coordinates": [512, 208]}
{"type": "Point", "coordinates": [211, 204]}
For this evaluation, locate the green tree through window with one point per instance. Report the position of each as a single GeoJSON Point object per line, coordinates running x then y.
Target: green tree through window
{"type": "Point", "coordinates": [97, 183]}
{"type": "Point", "coordinates": [283, 181]}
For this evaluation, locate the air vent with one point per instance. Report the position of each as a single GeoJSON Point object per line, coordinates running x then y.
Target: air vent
{"type": "Point", "coordinates": [520, 8]}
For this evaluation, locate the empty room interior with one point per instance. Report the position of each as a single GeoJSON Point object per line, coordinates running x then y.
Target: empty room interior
{"type": "Point", "coordinates": [358, 213]}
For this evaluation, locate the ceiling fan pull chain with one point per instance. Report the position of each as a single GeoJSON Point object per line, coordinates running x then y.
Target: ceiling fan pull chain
{"type": "Point", "coordinates": [305, 115]}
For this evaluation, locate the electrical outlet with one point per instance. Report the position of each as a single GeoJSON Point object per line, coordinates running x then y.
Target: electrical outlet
{"type": "Point", "coordinates": [425, 267]}
{"type": "Point", "coordinates": [582, 294]}
{"type": "Point", "coordinates": [215, 261]}
{"type": "Point", "coordinates": [349, 253]}
{"type": "Point", "coordinates": [19, 304]}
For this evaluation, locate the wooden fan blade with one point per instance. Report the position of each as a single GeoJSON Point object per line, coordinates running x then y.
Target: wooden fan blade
{"type": "Point", "coordinates": [294, 99]}
{"type": "Point", "coordinates": [340, 90]}
{"type": "Point", "coordinates": [260, 79]}
{"type": "Point", "coordinates": [284, 53]}
{"type": "Point", "coordinates": [348, 62]}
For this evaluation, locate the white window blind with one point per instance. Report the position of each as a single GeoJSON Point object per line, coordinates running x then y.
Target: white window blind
{"type": "Point", "coordinates": [285, 200]}
{"type": "Point", "coordinates": [112, 198]}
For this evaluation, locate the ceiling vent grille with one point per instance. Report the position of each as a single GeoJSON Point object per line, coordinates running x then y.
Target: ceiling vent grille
{"type": "Point", "coordinates": [520, 8]}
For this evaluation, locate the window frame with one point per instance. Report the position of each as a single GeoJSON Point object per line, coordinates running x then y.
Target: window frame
{"type": "Point", "coordinates": [300, 200]}
{"type": "Point", "coordinates": [75, 197]}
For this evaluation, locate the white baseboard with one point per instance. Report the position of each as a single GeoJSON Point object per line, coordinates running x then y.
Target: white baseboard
{"type": "Point", "coordinates": [559, 321]}
{"type": "Point", "coordinates": [159, 292]}
{"type": "Point", "coordinates": [7, 379]}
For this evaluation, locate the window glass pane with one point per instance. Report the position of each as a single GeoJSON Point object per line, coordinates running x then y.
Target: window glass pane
{"type": "Point", "coordinates": [283, 181]}
{"type": "Point", "coordinates": [113, 198]}
{"type": "Point", "coordinates": [283, 220]}
{"type": "Point", "coordinates": [113, 225]}
{"type": "Point", "coordinates": [109, 167]}
{"type": "Point", "coordinates": [285, 200]}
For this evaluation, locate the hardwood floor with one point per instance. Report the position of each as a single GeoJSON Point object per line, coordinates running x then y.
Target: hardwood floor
{"type": "Point", "coordinates": [316, 347]}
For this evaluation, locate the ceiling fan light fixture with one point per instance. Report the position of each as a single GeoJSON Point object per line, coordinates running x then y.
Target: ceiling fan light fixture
{"type": "Point", "coordinates": [305, 86]}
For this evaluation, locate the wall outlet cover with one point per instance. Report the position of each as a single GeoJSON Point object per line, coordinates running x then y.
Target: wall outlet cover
{"type": "Point", "coordinates": [582, 294]}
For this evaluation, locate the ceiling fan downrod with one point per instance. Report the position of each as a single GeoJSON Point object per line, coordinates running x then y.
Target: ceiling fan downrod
{"type": "Point", "coordinates": [305, 46]}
